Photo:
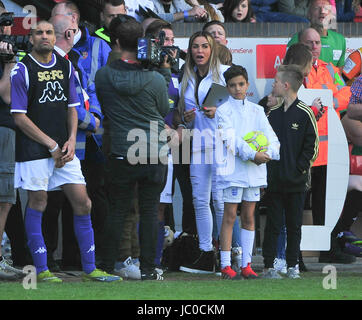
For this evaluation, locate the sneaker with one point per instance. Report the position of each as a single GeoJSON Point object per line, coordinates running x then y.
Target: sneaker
{"type": "Point", "coordinates": [280, 265]}
{"type": "Point", "coordinates": [229, 274]}
{"type": "Point", "coordinates": [293, 273]}
{"type": "Point", "coordinates": [47, 276]}
{"type": "Point", "coordinates": [348, 236]}
{"type": "Point", "coordinates": [7, 264]}
{"type": "Point", "coordinates": [271, 273]}
{"type": "Point", "coordinates": [127, 269]}
{"type": "Point", "coordinates": [236, 259]}
{"type": "Point", "coordinates": [159, 271]}
{"type": "Point", "coordinates": [352, 249]}
{"type": "Point", "coordinates": [99, 275]}
{"type": "Point", "coordinates": [6, 274]}
{"type": "Point", "coordinates": [204, 264]}
{"type": "Point", "coordinates": [248, 272]}
{"type": "Point", "coordinates": [151, 276]}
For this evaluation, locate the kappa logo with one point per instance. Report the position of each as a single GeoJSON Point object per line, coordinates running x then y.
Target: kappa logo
{"type": "Point", "coordinates": [53, 92]}
{"type": "Point", "coordinates": [92, 248]}
{"type": "Point", "coordinates": [14, 71]}
{"type": "Point", "coordinates": [41, 250]}
{"type": "Point", "coordinates": [295, 126]}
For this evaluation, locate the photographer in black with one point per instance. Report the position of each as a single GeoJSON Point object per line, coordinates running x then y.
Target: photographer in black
{"type": "Point", "coordinates": [134, 102]}
{"type": "Point", "coordinates": [7, 138]}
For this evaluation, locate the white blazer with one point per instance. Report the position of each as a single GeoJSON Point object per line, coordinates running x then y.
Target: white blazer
{"type": "Point", "coordinates": [204, 127]}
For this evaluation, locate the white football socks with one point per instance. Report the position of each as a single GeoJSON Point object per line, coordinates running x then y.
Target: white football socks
{"type": "Point", "coordinates": [247, 243]}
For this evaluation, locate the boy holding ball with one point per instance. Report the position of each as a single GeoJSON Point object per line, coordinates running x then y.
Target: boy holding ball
{"type": "Point", "coordinates": [242, 171]}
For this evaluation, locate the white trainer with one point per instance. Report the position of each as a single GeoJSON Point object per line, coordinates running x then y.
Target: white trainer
{"type": "Point", "coordinates": [127, 269]}
{"type": "Point", "coordinates": [293, 273]}
{"type": "Point", "coordinates": [280, 265]}
{"type": "Point", "coordinates": [7, 265]}
{"type": "Point", "coordinates": [236, 258]}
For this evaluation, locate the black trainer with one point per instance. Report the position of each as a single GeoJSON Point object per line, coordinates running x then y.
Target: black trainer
{"type": "Point", "coordinates": [205, 263]}
{"type": "Point", "coordinates": [152, 276]}
{"type": "Point", "coordinates": [335, 255]}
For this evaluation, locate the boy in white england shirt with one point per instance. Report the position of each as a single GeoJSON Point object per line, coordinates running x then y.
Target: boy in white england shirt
{"type": "Point", "coordinates": [242, 184]}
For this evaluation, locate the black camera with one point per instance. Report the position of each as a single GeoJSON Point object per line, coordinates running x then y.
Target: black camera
{"type": "Point", "coordinates": [152, 52]}
{"type": "Point", "coordinates": [6, 19]}
{"type": "Point", "coordinates": [19, 43]}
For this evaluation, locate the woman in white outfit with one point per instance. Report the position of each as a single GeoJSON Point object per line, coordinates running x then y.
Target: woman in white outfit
{"type": "Point", "coordinates": [202, 68]}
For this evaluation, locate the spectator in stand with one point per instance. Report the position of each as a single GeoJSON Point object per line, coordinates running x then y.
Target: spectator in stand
{"type": "Point", "coordinates": [297, 7]}
{"type": "Point", "coordinates": [132, 7]}
{"type": "Point", "coordinates": [217, 30]}
{"type": "Point", "coordinates": [320, 15]}
{"type": "Point", "coordinates": [267, 11]}
{"type": "Point", "coordinates": [110, 10]}
{"type": "Point", "coordinates": [357, 7]}
{"type": "Point", "coordinates": [179, 10]}
{"type": "Point", "coordinates": [238, 11]}
{"type": "Point", "coordinates": [213, 12]}
{"type": "Point", "coordinates": [345, 11]}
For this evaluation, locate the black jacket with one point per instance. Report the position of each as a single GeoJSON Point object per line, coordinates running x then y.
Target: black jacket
{"type": "Point", "coordinates": [298, 135]}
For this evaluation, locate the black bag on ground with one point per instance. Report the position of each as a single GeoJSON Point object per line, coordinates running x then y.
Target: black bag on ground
{"type": "Point", "coordinates": [184, 249]}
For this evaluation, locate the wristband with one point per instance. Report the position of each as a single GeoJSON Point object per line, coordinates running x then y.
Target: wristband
{"type": "Point", "coordinates": [186, 14]}
{"type": "Point", "coordinates": [54, 149]}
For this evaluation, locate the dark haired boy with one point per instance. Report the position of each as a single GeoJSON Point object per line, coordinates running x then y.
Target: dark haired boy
{"type": "Point", "coordinates": [295, 125]}
{"type": "Point", "coordinates": [243, 170]}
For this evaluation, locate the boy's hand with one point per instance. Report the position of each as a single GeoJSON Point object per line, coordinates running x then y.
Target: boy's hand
{"type": "Point", "coordinates": [261, 157]}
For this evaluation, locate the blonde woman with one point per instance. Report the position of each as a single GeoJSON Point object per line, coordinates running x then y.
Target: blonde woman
{"type": "Point", "coordinates": [202, 68]}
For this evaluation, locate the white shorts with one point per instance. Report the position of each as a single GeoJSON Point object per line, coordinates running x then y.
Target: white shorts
{"type": "Point", "coordinates": [238, 194]}
{"type": "Point", "coordinates": [166, 194]}
{"type": "Point", "coordinates": [41, 174]}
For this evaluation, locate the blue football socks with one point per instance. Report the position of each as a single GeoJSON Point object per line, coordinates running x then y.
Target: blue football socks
{"type": "Point", "coordinates": [36, 244]}
{"type": "Point", "coordinates": [85, 236]}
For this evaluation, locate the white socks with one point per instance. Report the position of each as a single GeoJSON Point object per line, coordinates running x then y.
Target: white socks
{"type": "Point", "coordinates": [247, 243]}
{"type": "Point", "coordinates": [225, 259]}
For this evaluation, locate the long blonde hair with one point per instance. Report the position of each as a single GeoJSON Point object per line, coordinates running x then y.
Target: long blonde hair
{"type": "Point", "coordinates": [189, 70]}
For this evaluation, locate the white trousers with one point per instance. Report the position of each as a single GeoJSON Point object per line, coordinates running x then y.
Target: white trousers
{"type": "Point", "coordinates": [203, 181]}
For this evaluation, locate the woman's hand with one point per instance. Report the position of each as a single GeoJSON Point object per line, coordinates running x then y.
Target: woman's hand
{"type": "Point", "coordinates": [209, 112]}
{"type": "Point", "coordinates": [190, 115]}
